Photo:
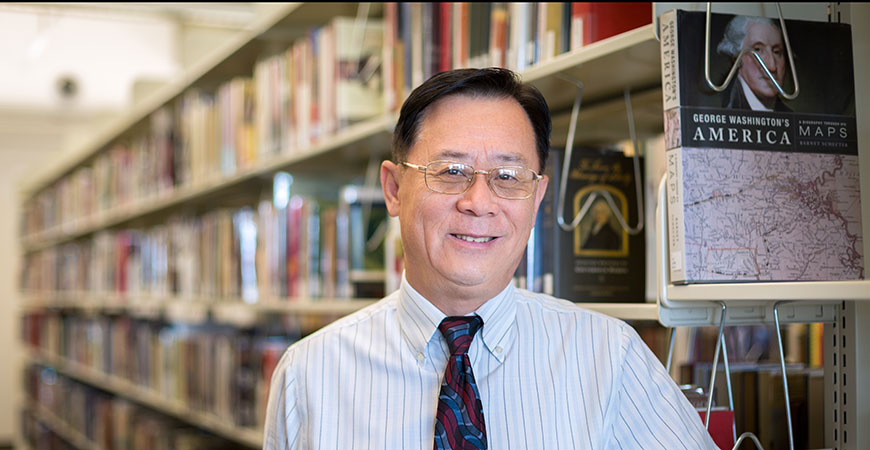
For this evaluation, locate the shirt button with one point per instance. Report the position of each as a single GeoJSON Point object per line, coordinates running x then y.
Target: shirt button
{"type": "Point", "coordinates": [498, 350]}
{"type": "Point", "coordinates": [420, 357]}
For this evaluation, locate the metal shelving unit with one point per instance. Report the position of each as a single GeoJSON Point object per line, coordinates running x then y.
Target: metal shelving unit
{"type": "Point", "coordinates": [831, 302]}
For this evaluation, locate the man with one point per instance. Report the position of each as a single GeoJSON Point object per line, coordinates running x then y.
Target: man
{"type": "Point", "coordinates": [601, 235]}
{"type": "Point", "coordinates": [458, 357]}
{"type": "Point", "coordinates": [753, 88]}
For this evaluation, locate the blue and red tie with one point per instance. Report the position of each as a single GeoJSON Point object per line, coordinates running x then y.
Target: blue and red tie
{"type": "Point", "coordinates": [459, 419]}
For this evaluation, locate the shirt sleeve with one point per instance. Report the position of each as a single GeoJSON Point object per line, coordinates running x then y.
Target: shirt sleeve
{"type": "Point", "coordinates": [283, 422]}
{"type": "Point", "coordinates": [650, 410]}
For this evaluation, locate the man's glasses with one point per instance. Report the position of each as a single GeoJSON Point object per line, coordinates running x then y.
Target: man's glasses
{"type": "Point", "coordinates": [448, 177]}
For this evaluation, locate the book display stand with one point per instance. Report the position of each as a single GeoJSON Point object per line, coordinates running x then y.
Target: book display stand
{"type": "Point", "coordinates": [744, 304]}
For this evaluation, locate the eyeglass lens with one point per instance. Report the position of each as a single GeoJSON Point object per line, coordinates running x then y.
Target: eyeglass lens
{"type": "Point", "coordinates": [456, 178]}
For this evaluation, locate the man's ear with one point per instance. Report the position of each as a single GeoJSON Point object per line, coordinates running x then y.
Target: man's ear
{"type": "Point", "coordinates": [390, 175]}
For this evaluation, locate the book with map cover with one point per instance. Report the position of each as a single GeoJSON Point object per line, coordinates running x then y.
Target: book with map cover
{"type": "Point", "coordinates": [760, 187]}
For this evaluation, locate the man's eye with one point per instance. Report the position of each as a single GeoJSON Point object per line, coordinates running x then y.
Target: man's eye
{"type": "Point", "coordinates": [506, 176]}
{"type": "Point", "coordinates": [452, 172]}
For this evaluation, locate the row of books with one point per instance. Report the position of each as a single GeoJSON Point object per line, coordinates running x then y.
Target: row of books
{"type": "Point", "coordinates": [106, 421]}
{"type": "Point", "coordinates": [802, 344]}
{"type": "Point", "coordinates": [290, 246]}
{"type": "Point", "coordinates": [343, 72]}
{"type": "Point", "coordinates": [422, 39]}
{"type": "Point", "coordinates": [327, 80]}
{"type": "Point", "coordinates": [219, 370]}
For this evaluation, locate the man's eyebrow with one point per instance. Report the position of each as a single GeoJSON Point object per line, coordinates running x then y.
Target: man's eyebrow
{"type": "Point", "coordinates": [451, 155]}
{"type": "Point", "coordinates": [510, 158]}
{"type": "Point", "coordinates": [447, 154]}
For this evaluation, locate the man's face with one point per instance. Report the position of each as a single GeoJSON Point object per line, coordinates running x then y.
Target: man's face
{"type": "Point", "coordinates": [767, 41]}
{"type": "Point", "coordinates": [601, 212]}
{"type": "Point", "coordinates": [465, 246]}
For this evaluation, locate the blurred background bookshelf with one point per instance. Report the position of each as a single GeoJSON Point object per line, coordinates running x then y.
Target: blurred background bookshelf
{"type": "Point", "coordinates": [147, 176]}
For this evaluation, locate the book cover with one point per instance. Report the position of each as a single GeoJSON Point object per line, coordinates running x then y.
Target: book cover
{"type": "Point", "coordinates": [760, 188]}
{"type": "Point", "coordinates": [597, 261]}
{"type": "Point", "coordinates": [359, 77]}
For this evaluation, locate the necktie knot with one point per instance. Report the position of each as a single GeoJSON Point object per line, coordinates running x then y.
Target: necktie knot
{"type": "Point", "coordinates": [459, 331]}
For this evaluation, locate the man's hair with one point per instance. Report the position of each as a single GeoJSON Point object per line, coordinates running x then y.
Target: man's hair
{"type": "Point", "coordinates": [491, 82]}
{"type": "Point", "coordinates": [735, 32]}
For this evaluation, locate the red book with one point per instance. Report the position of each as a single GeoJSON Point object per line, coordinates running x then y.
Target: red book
{"type": "Point", "coordinates": [446, 36]}
{"type": "Point", "coordinates": [597, 21]}
{"type": "Point", "coordinates": [294, 229]}
{"type": "Point", "coordinates": [721, 427]}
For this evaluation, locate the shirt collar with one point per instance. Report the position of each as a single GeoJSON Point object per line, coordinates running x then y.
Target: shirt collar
{"type": "Point", "coordinates": [751, 98]}
{"type": "Point", "coordinates": [419, 319]}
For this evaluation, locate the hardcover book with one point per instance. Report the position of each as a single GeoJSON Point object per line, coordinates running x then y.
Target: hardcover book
{"type": "Point", "coordinates": [597, 261]}
{"type": "Point", "coordinates": [760, 188]}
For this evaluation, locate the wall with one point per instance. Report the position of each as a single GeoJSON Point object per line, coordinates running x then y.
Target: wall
{"type": "Point", "coordinates": [105, 52]}
{"type": "Point", "coordinates": [13, 166]}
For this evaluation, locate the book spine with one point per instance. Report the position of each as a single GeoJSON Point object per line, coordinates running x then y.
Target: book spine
{"type": "Point", "coordinates": [388, 55]}
{"type": "Point", "coordinates": [417, 57]}
{"type": "Point", "coordinates": [671, 106]}
{"type": "Point", "coordinates": [446, 36]}
{"type": "Point", "coordinates": [670, 79]}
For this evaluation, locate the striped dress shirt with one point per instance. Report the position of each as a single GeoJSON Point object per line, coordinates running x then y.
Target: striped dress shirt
{"type": "Point", "coordinates": [551, 376]}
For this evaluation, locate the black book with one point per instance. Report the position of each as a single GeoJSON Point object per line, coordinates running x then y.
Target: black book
{"type": "Point", "coordinates": [598, 260]}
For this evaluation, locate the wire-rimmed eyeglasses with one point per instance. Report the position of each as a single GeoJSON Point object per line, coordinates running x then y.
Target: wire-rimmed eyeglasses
{"type": "Point", "coordinates": [449, 177]}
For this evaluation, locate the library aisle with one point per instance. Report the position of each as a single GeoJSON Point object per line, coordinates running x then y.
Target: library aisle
{"type": "Point", "coordinates": [191, 188]}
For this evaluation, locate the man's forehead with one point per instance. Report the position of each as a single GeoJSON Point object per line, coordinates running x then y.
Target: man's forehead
{"type": "Point", "coordinates": [755, 31]}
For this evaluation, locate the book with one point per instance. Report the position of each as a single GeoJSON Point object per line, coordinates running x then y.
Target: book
{"type": "Point", "coordinates": [760, 188]}
{"type": "Point", "coordinates": [592, 22]}
{"type": "Point", "coordinates": [598, 260]}
{"type": "Point", "coordinates": [359, 77]}
{"type": "Point", "coordinates": [361, 230]}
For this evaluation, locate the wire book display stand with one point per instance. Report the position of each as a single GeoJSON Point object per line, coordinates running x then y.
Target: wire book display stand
{"type": "Point", "coordinates": [750, 303]}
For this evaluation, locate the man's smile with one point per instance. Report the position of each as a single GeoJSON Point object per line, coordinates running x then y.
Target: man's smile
{"type": "Point", "coordinates": [474, 239]}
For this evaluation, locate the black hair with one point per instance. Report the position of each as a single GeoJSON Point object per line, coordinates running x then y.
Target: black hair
{"type": "Point", "coordinates": [491, 82]}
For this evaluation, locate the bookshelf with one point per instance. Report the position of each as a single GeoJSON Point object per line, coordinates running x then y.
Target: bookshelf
{"type": "Point", "coordinates": [593, 63]}
{"type": "Point", "coordinates": [61, 428]}
{"type": "Point", "coordinates": [607, 67]}
{"type": "Point", "coordinates": [124, 388]}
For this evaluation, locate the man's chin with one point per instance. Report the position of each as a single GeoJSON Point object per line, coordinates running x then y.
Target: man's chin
{"type": "Point", "coordinates": [469, 279]}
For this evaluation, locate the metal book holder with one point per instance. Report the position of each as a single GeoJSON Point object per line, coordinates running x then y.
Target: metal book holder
{"type": "Point", "coordinates": [739, 58]}
{"type": "Point", "coordinates": [693, 305]}
{"type": "Point", "coordinates": [566, 169]}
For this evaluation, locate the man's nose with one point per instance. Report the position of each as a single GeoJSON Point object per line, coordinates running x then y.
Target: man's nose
{"type": "Point", "coordinates": [768, 58]}
{"type": "Point", "coordinates": [478, 199]}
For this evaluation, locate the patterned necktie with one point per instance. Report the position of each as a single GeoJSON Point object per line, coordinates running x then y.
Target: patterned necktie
{"type": "Point", "coordinates": [459, 420]}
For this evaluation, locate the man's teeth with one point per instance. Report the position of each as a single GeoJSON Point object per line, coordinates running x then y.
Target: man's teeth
{"type": "Point", "coordinates": [479, 240]}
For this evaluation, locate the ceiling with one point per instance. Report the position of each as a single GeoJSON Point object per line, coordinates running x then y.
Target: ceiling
{"type": "Point", "coordinates": [110, 51]}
